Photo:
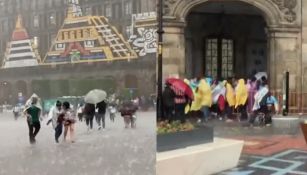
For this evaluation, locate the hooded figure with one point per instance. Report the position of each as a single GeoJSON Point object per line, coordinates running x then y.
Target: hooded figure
{"type": "Point", "coordinates": [230, 95]}
{"type": "Point", "coordinates": [241, 93]}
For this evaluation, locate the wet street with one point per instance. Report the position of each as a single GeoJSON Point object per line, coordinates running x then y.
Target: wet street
{"type": "Point", "coordinates": [115, 150]}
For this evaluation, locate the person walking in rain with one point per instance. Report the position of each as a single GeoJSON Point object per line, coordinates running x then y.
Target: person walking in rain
{"type": "Point", "coordinates": [80, 112]}
{"type": "Point", "coordinates": [89, 112]}
{"type": "Point", "coordinates": [100, 115]}
{"type": "Point", "coordinates": [69, 121]}
{"type": "Point", "coordinates": [57, 122]}
{"type": "Point", "coordinates": [33, 119]}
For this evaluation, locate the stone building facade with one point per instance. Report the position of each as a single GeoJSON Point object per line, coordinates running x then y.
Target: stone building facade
{"type": "Point", "coordinates": [237, 38]}
{"type": "Point", "coordinates": [44, 18]}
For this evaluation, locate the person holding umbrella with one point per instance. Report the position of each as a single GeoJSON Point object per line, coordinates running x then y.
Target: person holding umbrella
{"type": "Point", "coordinates": [89, 113]}
{"type": "Point", "coordinates": [91, 99]}
{"type": "Point", "coordinates": [183, 96]}
{"type": "Point", "coordinates": [100, 115]}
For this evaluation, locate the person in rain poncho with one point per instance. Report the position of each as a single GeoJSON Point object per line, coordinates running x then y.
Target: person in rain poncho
{"type": "Point", "coordinates": [260, 105]}
{"type": "Point", "coordinates": [252, 89]}
{"type": "Point", "coordinates": [230, 98]}
{"type": "Point", "coordinates": [218, 97]}
{"type": "Point", "coordinates": [205, 99]}
{"type": "Point", "coordinates": [53, 116]}
{"type": "Point", "coordinates": [33, 118]}
{"type": "Point", "coordinates": [241, 98]}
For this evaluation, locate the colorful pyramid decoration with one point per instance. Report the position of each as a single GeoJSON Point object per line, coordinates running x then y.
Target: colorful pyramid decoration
{"type": "Point", "coordinates": [21, 51]}
{"type": "Point", "coordinates": [87, 39]}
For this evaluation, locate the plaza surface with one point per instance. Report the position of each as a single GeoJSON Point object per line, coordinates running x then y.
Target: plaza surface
{"type": "Point", "coordinates": [266, 151]}
{"type": "Point", "coordinates": [115, 150]}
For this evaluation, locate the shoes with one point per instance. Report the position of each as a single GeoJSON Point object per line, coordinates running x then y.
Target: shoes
{"type": "Point", "coordinates": [199, 121]}
{"type": "Point", "coordinates": [99, 128]}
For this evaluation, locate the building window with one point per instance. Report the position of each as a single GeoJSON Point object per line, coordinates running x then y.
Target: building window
{"type": "Point", "coordinates": [36, 21]}
{"type": "Point", "coordinates": [115, 10]}
{"type": "Point", "coordinates": [88, 11]}
{"type": "Point", "coordinates": [108, 11]}
{"type": "Point", "coordinates": [128, 8]}
{"type": "Point", "coordinates": [52, 19]}
{"type": "Point", "coordinates": [219, 58]}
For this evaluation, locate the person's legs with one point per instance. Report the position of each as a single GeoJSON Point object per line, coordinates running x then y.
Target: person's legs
{"type": "Point", "coordinates": [98, 120]}
{"type": "Point", "coordinates": [72, 132]}
{"type": "Point", "coordinates": [58, 132]}
{"type": "Point", "coordinates": [91, 121]}
{"type": "Point", "coordinates": [31, 132]}
{"type": "Point", "coordinates": [37, 127]}
{"type": "Point", "coordinates": [127, 121]}
{"type": "Point", "coordinates": [205, 111]}
{"type": "Point", "coordinates": [181, 112]}
{"type": "Point", "coordinates": [65, 131]}
{"type": "Point", "coordinates": [103, 120]}
{"type": "Point", "coordinates": [242, 109]}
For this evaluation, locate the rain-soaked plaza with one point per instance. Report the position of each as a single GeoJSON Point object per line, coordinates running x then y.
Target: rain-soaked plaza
{"type": "Point", "coordinates": [115, 150]}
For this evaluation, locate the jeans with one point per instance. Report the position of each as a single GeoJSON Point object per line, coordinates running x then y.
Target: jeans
{"type": "Point", "coordinates": [100, 118]}
{"type": "Point", "coordinates": [179, 112]}
{"type": "Point", "coordinates": [89, 120]}
{"type": "Point", "coordinates": [58, 131]}
{"type": "Point", "coordinates": [33, 130]}
{"type": "Point", "coordinates": [206, 113]}
{"type": "Point", "coordinates": [168, 113]}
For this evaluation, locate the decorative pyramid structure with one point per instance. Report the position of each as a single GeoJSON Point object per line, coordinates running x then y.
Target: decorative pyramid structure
{"type": "Point", "coordinates": [20, 51]}
{"type": "Point", "coordinates": [87, 39]}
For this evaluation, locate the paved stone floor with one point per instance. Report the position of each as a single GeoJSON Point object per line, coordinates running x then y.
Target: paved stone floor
{"type": "Point", "coordinates": [265, 151]}
{"type": "Point", "coordinates": [288, 162]}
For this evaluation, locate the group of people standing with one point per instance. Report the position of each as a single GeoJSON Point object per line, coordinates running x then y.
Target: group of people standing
{"type": "Point", "coordinates": [248, 97]}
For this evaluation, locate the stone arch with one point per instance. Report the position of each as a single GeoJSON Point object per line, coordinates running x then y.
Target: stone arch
{"type": "Point", "coordinates": [268, 9]}
{"type": "Point", "coordinates": [21, 87]}
{"type": "Point", "coordinates": [6, 93]}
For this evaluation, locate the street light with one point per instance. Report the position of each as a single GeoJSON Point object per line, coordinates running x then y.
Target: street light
{"type": "Point", "coordinates": [160, 44]}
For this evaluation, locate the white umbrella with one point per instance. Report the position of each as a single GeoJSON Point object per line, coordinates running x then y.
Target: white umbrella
{"type": "Point", "coordinates": [95, 96]}
{"type": "Point", "coordinates": [29, 102]}
{"type": "Point", "coordinates": [259, 75]}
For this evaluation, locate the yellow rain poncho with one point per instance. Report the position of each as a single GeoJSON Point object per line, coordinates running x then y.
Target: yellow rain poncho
{"type": "Point", "coordinates": [203, 96]}
{"type": "Point", "coordinates": [241, 93]}
{"type": "Point", "coordinates": [230, 95]}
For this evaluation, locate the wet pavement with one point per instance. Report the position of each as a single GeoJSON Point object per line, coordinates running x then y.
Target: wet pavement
{"type": "Point", "coordinates": [115, 151]}
{"type": "Point", "coordinates": [266, 150]}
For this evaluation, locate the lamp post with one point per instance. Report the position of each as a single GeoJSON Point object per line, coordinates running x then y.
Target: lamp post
{"type": "Point", "coordinates": [160, 44]}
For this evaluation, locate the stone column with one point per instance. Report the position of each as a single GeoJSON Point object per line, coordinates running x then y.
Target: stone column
{"type": "Point", "coordinates": [173, 50]}
{"type": "Point", "coordinates": [284, 55]}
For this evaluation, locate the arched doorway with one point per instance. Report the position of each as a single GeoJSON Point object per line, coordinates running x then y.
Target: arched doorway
{"type": "Point", "coordinates": [21, 87]}
{"type": "Point", "coordinates": [225, 39]}
{"type": "Point", "coordinates": [6, 96]}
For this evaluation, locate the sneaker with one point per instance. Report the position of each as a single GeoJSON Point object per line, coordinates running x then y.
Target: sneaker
{"type": "Point", "coordinates": [199, 121]}
{"type": "Point", "coordinates": [99, 128]}
{"type": "Point", "coordinates": [220, 118]}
